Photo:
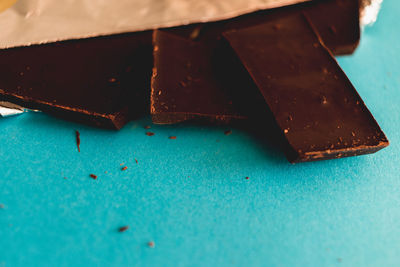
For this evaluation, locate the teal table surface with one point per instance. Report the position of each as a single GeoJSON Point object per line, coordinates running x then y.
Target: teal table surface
{"type": "Point", "coordinates": [190, 196]}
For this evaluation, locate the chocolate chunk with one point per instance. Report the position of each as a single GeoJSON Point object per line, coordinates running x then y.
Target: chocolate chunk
{"type": "Point", "coordinates": [102, 81]}
{"type": "Point", "coordinates": [338, 24]}
{"type": "Point", "coordinates": [316, 107]}
{"type": "Point", "coordinates": [188, 84]}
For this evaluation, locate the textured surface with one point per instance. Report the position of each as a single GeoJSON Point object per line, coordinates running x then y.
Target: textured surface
{"type": "Point", "coordinates": [315, 105]}
{"type": "Point", "coordinates": [342, 212]}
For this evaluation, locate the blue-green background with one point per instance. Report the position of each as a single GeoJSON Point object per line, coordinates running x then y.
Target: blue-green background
{"type": "Point", "coordinates": [190, 195]}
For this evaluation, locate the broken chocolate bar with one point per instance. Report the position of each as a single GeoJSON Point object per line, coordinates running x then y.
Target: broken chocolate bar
{"type": "Point", "coordinates": [314, 104]}
{"type": "Point", "coordinates": [102, 81]}
{"type": "Point", "coordinates": [186, 84]}
{"type": "Point", "coordinates": [213, 94]}
{"type": "Point", "coordinates": [337, 23]}
{"type": "Point", "coordinates": [182, 82]}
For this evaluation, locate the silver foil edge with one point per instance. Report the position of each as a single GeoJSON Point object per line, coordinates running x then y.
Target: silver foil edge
{"type": "Point", "coordinates": [8, 109]}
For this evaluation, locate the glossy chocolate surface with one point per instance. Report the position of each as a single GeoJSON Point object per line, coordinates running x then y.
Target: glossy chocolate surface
{"type": "Point", "coordinates": [191, 81]}
{"type": "Point", "coordinates": [203, 49]}
{"type": "Point", "coordinates": [313, 102]}
{"type": "Point", "coordinates": [102, 81]}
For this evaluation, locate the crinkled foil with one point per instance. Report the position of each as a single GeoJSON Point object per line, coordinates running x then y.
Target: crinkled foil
{"type": "Point", "coordinates": [29, 22]}
{"type": "Point", "coordinates": [41, 21]}
{"type": "Point", "coordinates": [9, 109]}
{"type": "Point", "coordinates": [369, 11]}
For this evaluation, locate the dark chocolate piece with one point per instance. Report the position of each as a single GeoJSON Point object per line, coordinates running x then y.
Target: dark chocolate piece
{"type": "Point", "coordinates": [187, 84]}
{"type": "Point", "coordinates": [338, 24]}
{"type": "Point", "coordinates": [212, 91]}
{"type": "Point", "coordinates": [314, 104]}
{"type": "Point", "coordinates": [102, 81]}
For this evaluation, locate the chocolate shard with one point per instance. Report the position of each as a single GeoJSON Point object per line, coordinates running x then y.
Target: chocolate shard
{"type": "Point", "coordinates": [102, 81]}
{"type": "Point", "coordinates": [316, 107]}
{"type": "Point", "coordinates": [338, 24]}
{"type": "Point", "coordinates": [188, 84]}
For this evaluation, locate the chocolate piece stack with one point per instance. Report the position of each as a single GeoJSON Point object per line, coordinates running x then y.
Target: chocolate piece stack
{"type": "Point", "coordinates": [274, 63]}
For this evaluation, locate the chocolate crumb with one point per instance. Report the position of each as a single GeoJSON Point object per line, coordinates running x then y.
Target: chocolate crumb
{"type": "Point", "coordinates": [93, 176]}
{"type": "Point", "coordinates": [147, 127]}
{"type": "Point", "coordinates": [149, 133]}
{"type": "Point", "coordinates": [277, 26]}
{"type": "Point", "coordinates": [136, 161]}
{"type": "Point", "coordinates": [151, 244]}
{"type": "Point", "coordinates": [195, 33]}
{"type": "Point", "coordinates": [123, 228]}
{"type": "Point", "coordinates": [172, 137]}
{"type": "Point", "coordinates": [124, 168]}
{"type": "Point", "coordinates": [228, 132]}
{"type": "Point", "coordinates": [247, 178]}
{"type": "Point", "coordinates": [112, 80]}
{"type": "Point", "coordinates": [78, 140]}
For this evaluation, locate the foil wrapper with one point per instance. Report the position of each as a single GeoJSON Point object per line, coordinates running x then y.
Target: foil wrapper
{"type": "Point", "coordinates": [26, 22]}
{"type": "Point", "coordinates": [8, 109]}
{"type": "Point", "coordinates": [40, 21]}
{"type": "Point", "coordinates": [369, 11]}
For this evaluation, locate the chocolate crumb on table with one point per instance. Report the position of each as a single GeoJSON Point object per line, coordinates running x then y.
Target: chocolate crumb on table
{"type": "Point", "coordinates": [147, 127]}
{"type": "Point", "coordinates": [93, 176]}
{"type": "Point", "coordinates": [123, 228]}
{"type": "Point", "coordinates": [172, 137]}
{"type": "Point", "coordinates": [247, 178]}
{"type": "Point", "coordinates": [124, 168]}
{"type": "Point", "coordinates": [151, 244]}
{"type": "Point", "coordinates": [136, 161]}
{"type": "Point", "coordinates": [78, 140]}
{"type": "Point", "coordinates": [149, 133]}
{"type": "Point", "coordinates": [228, 132]}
